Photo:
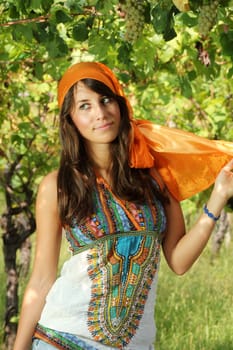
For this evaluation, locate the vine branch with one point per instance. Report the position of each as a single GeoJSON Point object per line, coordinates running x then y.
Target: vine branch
{"type": "Point", "coordinates": [26, 20]}
{"type": "Point", "coordinates": [87, 11]}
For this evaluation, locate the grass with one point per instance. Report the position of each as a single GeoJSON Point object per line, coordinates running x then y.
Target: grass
{"type": "Point", "coordinates": [194, 311]}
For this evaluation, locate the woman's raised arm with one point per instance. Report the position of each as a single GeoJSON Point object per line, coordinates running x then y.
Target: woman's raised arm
{"type": "Point", "coordinates": [181, 250]}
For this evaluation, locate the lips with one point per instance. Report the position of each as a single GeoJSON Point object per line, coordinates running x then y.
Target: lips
{"type": "Point", "coordinates": [103, 126]}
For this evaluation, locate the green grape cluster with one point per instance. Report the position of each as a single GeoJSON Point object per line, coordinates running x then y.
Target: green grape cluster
{"type": "Point", "coordinates": [207, 17]}
{"type": "Point", "coordinates": [134, 19]}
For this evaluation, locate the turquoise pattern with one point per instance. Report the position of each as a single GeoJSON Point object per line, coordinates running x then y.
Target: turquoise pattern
{"type": "Point", "coordinates": [122, 270]}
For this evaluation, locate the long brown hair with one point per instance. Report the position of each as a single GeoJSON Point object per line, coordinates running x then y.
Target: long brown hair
{"type": "Point", "coordinates": [76, 178]}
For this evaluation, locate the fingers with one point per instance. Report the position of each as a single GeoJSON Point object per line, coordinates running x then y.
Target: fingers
{"type": "Point", "coordinates": [229, 166]}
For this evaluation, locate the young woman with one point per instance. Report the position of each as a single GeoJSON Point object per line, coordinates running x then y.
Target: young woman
{"type": "Point", "coordinates": [117, 209]}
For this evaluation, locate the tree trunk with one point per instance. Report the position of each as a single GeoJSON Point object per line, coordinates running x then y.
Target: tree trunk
{"type": "Point", "coordinates": [25, 257]}
{"type": "Point", "coordinates": [220, 233]}
{"type": "Point", "coordinates": [10, 248]}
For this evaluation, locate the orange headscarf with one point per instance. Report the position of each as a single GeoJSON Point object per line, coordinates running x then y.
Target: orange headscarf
{"type": "Point", "coordinates": [186, 162]}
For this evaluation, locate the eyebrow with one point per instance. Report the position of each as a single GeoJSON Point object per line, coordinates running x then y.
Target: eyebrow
{"type": "Point", "coordinates": [88, 99]}
{"type": "Point", "coordinates": [83, 100]}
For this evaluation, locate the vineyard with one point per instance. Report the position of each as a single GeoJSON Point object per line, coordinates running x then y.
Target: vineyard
{"type": "Point", "coordinates": [173, 58]}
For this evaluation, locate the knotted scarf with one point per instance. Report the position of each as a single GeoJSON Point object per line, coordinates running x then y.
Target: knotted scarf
{"type": "Point", "coordinates": [187, 163]}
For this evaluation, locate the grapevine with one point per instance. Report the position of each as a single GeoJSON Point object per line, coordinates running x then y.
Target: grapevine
{"type": "Point", "coordinates": [134, 19]}
{"type": "Point", "coordinates": [207, 17]}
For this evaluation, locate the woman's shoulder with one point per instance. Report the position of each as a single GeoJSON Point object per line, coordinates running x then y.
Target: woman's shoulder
{"type": "Point", "coordinates": [49, 183]}
{"type": "Point", "coordinates": [47, 212]}
{"type": "Point", "coordinates": [51, 177]}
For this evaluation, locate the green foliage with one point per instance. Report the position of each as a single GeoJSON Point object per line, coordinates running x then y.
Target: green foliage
{"type": "Point", "coordinates": [162, 18]}
{"type": "Point", "coordinates": [164, 68]}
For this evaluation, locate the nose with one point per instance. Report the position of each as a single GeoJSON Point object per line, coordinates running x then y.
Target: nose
{"type": "Point", "coordinates": [100, 111]}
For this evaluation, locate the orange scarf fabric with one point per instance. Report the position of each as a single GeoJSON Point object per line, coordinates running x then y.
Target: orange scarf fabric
{"type": "Point", "coordinates": [187, 163]}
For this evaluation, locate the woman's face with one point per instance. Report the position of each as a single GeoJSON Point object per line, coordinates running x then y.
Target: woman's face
{"type": "Point", "coordinates": [96, 117]}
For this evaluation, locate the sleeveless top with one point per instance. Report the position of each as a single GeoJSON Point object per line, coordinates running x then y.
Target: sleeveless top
{"type": "Point", "coordinates": [105, 295]}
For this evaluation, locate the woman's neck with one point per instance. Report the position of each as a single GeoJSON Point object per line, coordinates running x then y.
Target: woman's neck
{"type": "Point", "coordinates": [100, 157]}
{"type": "Point", "coordinates": [103, 171]}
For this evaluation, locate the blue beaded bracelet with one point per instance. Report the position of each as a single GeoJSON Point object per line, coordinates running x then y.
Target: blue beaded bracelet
{"type": "Point", "coordinates": [211, 215]}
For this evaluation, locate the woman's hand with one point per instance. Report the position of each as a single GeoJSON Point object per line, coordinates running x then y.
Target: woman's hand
{"type": "Point", "coordinates": [224, 182]}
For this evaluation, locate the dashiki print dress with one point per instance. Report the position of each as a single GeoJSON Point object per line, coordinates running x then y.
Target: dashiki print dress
{"type": "Point", "coordinates": [105, 296]}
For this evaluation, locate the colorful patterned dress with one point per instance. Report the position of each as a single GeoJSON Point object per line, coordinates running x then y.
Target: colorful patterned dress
{"type": "Point", "coordinates": [105, 295]}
